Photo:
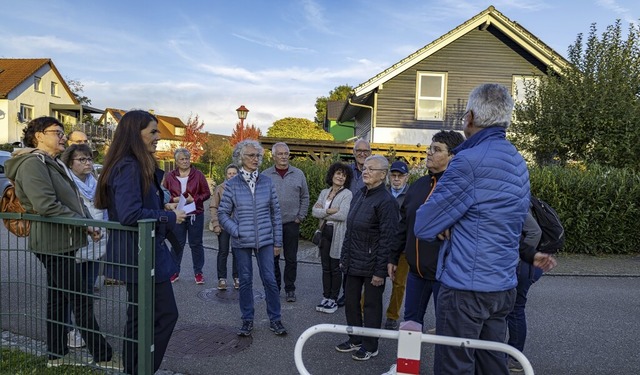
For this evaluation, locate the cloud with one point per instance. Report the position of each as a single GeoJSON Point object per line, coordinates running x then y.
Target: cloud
{"type": "Point", "coordinates": [263, 41]}
{"type": "Point", "coordinates": [40, 45]}
{"type": "Point", "coordinates": [616, 8]}
{"type": "Point", "coordinates": [314, 15]}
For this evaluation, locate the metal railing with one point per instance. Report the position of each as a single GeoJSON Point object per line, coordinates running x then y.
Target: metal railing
{"type": "Point", "coordinates": [26, 316]}
{"type": "Point", "coordinates": [388, 334]}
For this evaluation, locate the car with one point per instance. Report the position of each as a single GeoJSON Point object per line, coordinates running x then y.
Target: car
{"type": "Point", "coordinates": [4, 181]}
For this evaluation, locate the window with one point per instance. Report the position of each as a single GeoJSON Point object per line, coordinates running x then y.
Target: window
{"type": "Point", "coordinates": [26, 112]}
{"type": "Point", "coordinates": [430, 96]}
{"type": "Point", "coordinates": [180, 131]}
{"type": "Point", "coordinates": [37, 84]}
{"type": "Point", "coordinates": [520, 84]}
{"type": "Point", "coordinates": [54, 88]}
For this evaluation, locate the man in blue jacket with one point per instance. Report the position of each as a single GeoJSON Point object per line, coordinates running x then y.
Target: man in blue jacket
{"type": "Point", "coordinates": [479, 207]}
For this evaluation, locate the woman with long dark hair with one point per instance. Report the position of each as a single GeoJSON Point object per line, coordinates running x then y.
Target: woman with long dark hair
{"type": "Point", "coordinates": [129, 188]}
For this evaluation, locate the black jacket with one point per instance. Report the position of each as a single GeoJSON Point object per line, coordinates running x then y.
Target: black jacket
{"type": "Point", "coordinates": [423, 261]}
{"type": "Point", "coordinates": [371, 228]}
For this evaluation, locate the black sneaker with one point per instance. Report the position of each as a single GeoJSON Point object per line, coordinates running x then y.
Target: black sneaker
{"type": "Point", "coordinates": [247, 327]}
{"type": "Point", "coordinates": [320, 306]}
{"type": "Point", "coordinates": [291, 296]}
{"type": "Point", "coordinates": [340, 301]}
{"type": "Point", "coordinates": [277, 328]}
{"type": "Point", "coordinates": [363, 355]}
{"type": "Point", "coordinates": [347, 347]}
{"type": "Point", "coordinates": [391, 324]}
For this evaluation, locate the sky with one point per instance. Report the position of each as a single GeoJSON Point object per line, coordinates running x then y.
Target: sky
{"type": "Point", "coordinates": [208, 57]}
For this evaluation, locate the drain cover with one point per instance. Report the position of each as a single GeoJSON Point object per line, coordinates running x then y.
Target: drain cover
{"type": "Point", "coordinates": [226, 296]}
{"type": "Point", "coordinates": [197, 341]}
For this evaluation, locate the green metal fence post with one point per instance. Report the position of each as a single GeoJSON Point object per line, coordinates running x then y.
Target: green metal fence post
{"type": "Point", "coordinates": [146, 279]}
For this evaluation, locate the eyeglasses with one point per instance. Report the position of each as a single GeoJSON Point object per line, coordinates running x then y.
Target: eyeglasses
{"type": "Point", "coordinates": [84, 160]}
{"type": "Point", "coordinates": [59, 133]}
{"type": "Point", "coordinates": [363, 152]}
{"type": "Point", "coordinates": [464, 115]}
{"type": "Point", "coordinates": [432, 150]}
{"type": "Point", "coordinates": [365, 169]}
{"type": "Point", "coordinates": [253, 156]}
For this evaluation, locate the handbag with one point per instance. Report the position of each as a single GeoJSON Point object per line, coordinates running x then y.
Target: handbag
{"type": "Point", "coordinates": [317, 235]}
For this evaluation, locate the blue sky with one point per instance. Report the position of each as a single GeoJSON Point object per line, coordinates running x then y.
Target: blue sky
{"type": "Point", "coordinates": [208, 57]}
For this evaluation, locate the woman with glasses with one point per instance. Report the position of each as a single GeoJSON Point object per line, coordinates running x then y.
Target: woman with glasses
{"type": "Point", "coordinates": [250, 213]}
{"type": "Point", "coordinates": [43, 186]}
{"type": "Point", "coordinates": [129, 188]}
{"type": "Point", "coordinates": [371, 229]}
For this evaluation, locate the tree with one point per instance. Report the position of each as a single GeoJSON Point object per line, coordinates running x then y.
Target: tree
{"type": "Point", "coordinates": [591, 111]}
{"type": "Point", "coordinates": [77, 89]}
{"type": "Point", "coordinates": [194, 139]}
{"type": "Point", "coordinates": [341, 92]}
{"type": "Point", "coordinates": [294, 127]}
{"type": "Point", "coordinates": [241, 133]}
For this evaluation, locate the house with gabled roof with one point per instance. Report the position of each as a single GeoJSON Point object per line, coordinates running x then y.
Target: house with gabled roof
{"type": "Point", "coordinates": [341, 131]}
{"type": "Point", "coordinates": [31, 88]}
{"type": "Point", "coordinates": [172, 129]}
{"type": "Point", "coordinates": [427, 91]}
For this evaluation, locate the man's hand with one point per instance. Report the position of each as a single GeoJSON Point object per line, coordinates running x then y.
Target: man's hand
{"type": "Point", "coordinates": [391, 270]}
{"type": "Point", "coordinates": [217, 229]}
{"type": "Point", "coordinates": [546, 262]}
{"type": "Point", "coordinates": [377, 281]}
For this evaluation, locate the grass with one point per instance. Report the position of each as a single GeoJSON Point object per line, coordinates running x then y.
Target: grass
{"type": "Point", "coordinates": [16, 362]}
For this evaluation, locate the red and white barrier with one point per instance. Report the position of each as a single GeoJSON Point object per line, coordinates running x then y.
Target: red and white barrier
{"type": "Point", "coordinates": [409, 343]}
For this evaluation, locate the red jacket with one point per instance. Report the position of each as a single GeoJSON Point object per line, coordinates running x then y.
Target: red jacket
{"type": "Point", "coordinates": [197, 186]}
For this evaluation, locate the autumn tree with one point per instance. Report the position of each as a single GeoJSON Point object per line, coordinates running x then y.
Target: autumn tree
{"type": "Point", "coordinates": [591, 111]}
{"type": "Point", "coordinates": [194, 139]}
{"type": "Point", "coordinates": [241, 133]}
{"type": "Point", "coordinates": [301, 128]}
{"type": "Point", "coordinates": [341, 92]}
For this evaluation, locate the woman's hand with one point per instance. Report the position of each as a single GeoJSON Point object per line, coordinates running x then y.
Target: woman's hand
{"type": "Point", "coordinates": [170, 206]}
{"type": "Point", "coordinates": [377, 281]}
{"type": "Point", "coordinates": [180, 216]}
{"type": "Point", "coordinates": [317, 205]}
{"type": "Point", "coordinates": [189, 199]}
{"type": "Point", "coordinates": [217, 229]}
{"type": "Point", "coordinates": [276, 251]}
{"type": "Point", "coordinates": [332, 210]}
{"type": "Point", "coordinates": [95, 233]}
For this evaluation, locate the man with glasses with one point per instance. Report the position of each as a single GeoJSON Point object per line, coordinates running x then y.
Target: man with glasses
{"type": "Point", "coordinates": [77, 137]}
{"type": "Point", "coordinates": [479, 205]}
{"type": "Point", "coordinates": [361, 151]}
{"type": "Point", "coordinates": [293, 197]}
{"type": "Point", "coordinates": [398, 188]}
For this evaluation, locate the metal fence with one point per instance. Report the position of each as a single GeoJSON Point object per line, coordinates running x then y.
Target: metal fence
{"type": "Point", "coordinates": [39, 304]}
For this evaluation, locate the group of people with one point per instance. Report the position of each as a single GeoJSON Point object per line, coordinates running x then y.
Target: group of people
{"type": "Point", "coordinates": [455, 234]}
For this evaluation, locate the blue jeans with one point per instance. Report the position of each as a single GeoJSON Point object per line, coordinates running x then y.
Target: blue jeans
{"type": "Point", "coordinates": [474, 315]}
{"type": "Point", "coordinates": [517, 320]}
{"type": "Point", "coordinates": [223, 255]}
{"type": "Point", "coordinates": [193, 226]}
{"type": "Point", "coordinates": [264, 257]}
{"type": "Point", "coordinates": [418, 292]}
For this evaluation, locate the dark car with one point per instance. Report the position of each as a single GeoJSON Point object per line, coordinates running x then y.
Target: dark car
{"type": "Point", "coordinates": [4, 181]}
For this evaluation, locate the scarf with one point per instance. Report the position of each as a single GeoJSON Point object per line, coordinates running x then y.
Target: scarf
{"type": "Point", "coordinates": [251, 178]}
{"type": "Point", "coordinates": [87, 188]}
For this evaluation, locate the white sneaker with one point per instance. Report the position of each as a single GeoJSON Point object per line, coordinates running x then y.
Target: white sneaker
{"type": "Point", "coordinates": [392, 370]}
{"type": "Point", "coordinates": [74, 339]}
{"type": "Point", "coordinates": [320, 306]}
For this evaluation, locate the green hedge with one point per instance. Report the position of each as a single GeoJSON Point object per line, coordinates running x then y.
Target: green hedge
{"type": "Point", "coordinates": [598, 207]}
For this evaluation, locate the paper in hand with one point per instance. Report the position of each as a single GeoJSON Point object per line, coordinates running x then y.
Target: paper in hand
{"type": "Point", "coordinates": [187, 208]}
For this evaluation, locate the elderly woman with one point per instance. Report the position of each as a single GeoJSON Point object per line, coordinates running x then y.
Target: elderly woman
{"type": "Point", "coordinates": [129, 188]}
{"type": "Point", "coordinates": [332, 208]}
{"type": "Point", "coordinates": [44, 187]}
{"type": "Point", "coordinates": [223, 237]}
{"type": "Point", "coordinates": [250, 213]}
{"type": "Point", "coordinates": [371, 228]}
{"type": "Point", "coordinates": [78, 159]}
{"type": "Point", "coordinates": [190, 183]}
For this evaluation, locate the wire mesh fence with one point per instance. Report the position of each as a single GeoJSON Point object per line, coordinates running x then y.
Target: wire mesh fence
{"type": "Point", "coordinates": [58, 303]}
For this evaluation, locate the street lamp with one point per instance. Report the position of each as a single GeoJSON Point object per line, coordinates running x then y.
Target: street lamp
{"type": "Point", "coordinates": [242, 114]}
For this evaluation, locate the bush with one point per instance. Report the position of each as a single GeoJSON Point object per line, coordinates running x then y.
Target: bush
{"type": "Point", "coordinates": [598, 206]}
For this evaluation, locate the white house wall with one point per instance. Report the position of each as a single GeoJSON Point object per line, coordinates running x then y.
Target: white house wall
{"type": "Point", "coordinates": [25, 94]}
{"type": "Point", "coordinates": [404, 136]}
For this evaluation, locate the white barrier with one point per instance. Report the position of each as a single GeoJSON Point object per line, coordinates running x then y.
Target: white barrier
{"type": "Point", "coordinates": [396, 335]}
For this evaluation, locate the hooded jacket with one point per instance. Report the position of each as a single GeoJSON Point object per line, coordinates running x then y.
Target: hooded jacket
{"type": "Point", "coordinates": [44, 187]}
{"type": "Point", "coordinates": [197, 186]}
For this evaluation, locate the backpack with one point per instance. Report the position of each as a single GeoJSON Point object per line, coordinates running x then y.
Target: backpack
{"type": "Point", "coordinates": [552, 238]}
{"type": "Point", "coordinates": [10, 203]}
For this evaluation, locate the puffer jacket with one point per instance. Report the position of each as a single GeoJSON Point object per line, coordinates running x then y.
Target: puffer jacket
{"type": "Point", "coordinates": [128, 203]}
{"type": "Point", "coordinates": [371, 232]}
{"type": "Point", "coordinates": [422, 260]}
{"type": "Point", "coordinates": [483, 198]}
{"type": "Point", "coordinates": [44, 187]}
{"type": "Point", "coordinates": [252, 220]}
{"type": "Point", "coordinates": [197, 186]}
